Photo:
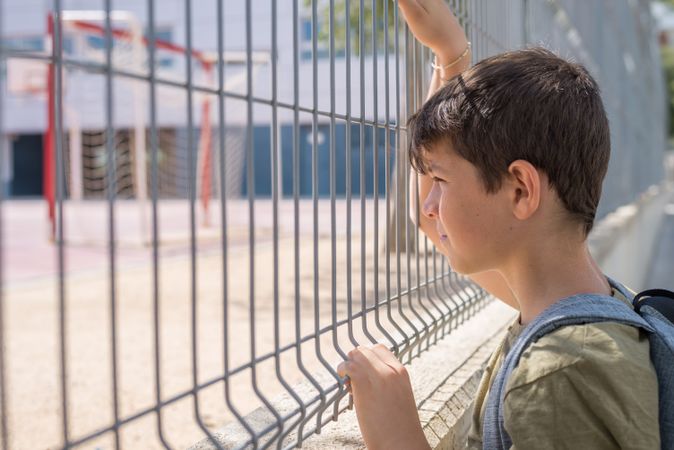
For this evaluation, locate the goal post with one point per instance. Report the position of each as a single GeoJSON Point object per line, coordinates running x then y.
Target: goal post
{"type": "Point", "coordinates": [84, 132]}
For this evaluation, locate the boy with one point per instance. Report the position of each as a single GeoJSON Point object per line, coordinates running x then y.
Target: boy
{"type": "Point", "coordinates": [510, 156]}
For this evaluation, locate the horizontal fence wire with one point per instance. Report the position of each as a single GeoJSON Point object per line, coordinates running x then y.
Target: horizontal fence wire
{"type": "Point", "coordinates": [291, 183]}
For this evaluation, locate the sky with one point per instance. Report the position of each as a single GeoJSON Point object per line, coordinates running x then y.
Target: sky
{"type": "Point", "coordinates": [664, 14]}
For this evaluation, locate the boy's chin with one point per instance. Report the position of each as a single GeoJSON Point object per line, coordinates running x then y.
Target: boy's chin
{"type": "Point", "coordinates": [457, 269]}
{"type": "Point", "coordinates": [462, 267]}
{"type": "Point", "coordinates": [455, 266]}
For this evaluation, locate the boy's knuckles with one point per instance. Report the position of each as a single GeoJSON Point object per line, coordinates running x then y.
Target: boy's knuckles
{"type": "Point", "coordinates": [380, 346]}
{"type": "Point", "coordinates": [358, 356]}
{"type": "Point", "coordinates": [402, 371]}
{"type": "Point", "coordinates": [390, 376]}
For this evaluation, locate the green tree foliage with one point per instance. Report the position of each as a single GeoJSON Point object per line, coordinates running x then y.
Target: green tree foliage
{"type": "Point", "coordinates": [667, 53]}
{"type": "Point", "coordinates": [323, 19]}
{"type": "Point", "coordinates": [668, 67]}
{"type": "Point", "coordinates": [378, 6]}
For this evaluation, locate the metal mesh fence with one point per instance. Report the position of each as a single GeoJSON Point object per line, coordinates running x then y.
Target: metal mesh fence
{"type": "Point", "coordinates": [306, 248]}
{"type": "Point", "coordinates": [616, 41]}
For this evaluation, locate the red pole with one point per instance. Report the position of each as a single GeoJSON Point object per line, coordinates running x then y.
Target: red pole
{"type": "Point", "coordinates": [205, 150]}
{"type": "Point", "coordinates": [206, 159]}
{"type": "Point", "coordinates": [48, 140]}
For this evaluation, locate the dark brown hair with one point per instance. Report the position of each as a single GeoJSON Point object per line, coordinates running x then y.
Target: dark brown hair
{"type": "Point", "coordinates": [526, 104]}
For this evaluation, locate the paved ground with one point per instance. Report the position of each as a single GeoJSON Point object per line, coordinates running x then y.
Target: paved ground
{"type": "Point", "coordinates": [31, 255]}
{"type": "Point", "coordinates": [32, 318]}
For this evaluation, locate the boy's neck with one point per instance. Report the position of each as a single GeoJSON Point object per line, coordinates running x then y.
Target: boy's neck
{"type": "Point", "coordinates": [550, 271]}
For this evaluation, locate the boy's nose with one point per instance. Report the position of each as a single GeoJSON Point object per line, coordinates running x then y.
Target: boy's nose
{"type": "Point", "coordinates": [430, 207]}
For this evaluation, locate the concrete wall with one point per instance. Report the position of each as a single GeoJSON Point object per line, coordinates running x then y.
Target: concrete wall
{"type": "Point", "coordinates": [623, 243]}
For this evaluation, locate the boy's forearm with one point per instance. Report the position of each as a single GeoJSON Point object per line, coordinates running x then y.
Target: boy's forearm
{"type": "Point", "coordinates": [436, 84]}
{"type": "Point", "coordinates": [491, 281]}
{"type": "Point", "coordinates": [444, 56]}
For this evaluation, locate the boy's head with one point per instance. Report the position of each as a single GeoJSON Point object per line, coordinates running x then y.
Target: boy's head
{"type": "Point", "coordinates": [527, 105]}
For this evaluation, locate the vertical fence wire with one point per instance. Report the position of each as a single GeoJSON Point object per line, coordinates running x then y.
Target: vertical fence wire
{"type": "Point", "coordinates": [401, 200]}
{"type": "Point", "coordinates": [220, 18]}
{"type": "Point", "coordinates": [275, 149]}
{"type": "Point", "coordinates": [314, 198]}
{"type": "Point", "coordinates": [315, 195]}
{"type": "Point", "coordinates": [362, 184]}
{"type": "Point", "coordinates": [333, 206]}
{"type": "Point", "coordinates": [389, 129]}
{"type": "Point", "coordinates": [416, 86]}
{"type": "Point", "coordinates": [410, 242]}
{"type": "Point", "coordinates": [4, 150]}
{"type": "Point", "coordinates": [304, 418]}
{"type": "Point", "coordinates": [154, 189]}
{"type": "Point", "coordinates": [192, 188]}
{"type": "Point", "coordinates": [349, 177]}
{"type": "Point", "coordinates": [375, 178]}
{"type": "Point", "coordinates": [111, 176]}
{"type": "Point", "coordinates": [250, 164]}
{"type": "Point", "coordinates": [57, 113]}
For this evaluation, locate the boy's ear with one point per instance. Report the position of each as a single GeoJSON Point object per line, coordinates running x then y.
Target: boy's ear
{"type": "Point", "coordinates": [524, 188]}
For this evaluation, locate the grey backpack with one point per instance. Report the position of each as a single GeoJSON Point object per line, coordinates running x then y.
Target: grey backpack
{"type": "Point", "coordinates": [653, 312]}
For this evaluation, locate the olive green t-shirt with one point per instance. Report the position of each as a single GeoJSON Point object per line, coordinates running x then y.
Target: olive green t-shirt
{"type": "Point", "coordinates": [589, 386]}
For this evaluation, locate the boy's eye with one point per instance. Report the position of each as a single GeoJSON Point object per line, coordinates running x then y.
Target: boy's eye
{"type": "Point", "coordinates": [438, 180]}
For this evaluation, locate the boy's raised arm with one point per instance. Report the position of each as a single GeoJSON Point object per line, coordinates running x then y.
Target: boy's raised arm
{"type": "Point", "coordinates": [434, 25]}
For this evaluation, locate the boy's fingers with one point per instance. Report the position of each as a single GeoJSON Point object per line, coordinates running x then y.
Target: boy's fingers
{"type": "Point", "coordinates": [410, 3]}
{"type": "Point", "coordinates": [343, 369]}
{"type": "Point", "coordinates": [411, 10]}
{"type": "Point", "coordinates": [374, 361]}
{"type": "Point", "coordinates": [350, 370]}
{"type": "Point", "coordinates": [418, 5]}
{"type": "Point", "coordinates": [364, 361]}
{"type": "Point", "coordinates": [387, 356]}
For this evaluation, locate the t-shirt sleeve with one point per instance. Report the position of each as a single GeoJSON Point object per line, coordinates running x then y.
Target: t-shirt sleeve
{"type": "Point", "coordinates": [590, 386]}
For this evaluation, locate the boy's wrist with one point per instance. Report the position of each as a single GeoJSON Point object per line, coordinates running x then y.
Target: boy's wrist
{"type": "Point", "coordinates": [442, 59]}
{"type": "Point", "coordinates": [449, 54]}
{"type": "Point", "coordinates": [452, 62]}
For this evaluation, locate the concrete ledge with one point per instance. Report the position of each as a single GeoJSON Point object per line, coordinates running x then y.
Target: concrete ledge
{"type": "Point", "coordinates": [444, 380]}
{"type": "Point", "coordinates": [623, 242]}
{"type": "Point", "coordinates": [446, 414]}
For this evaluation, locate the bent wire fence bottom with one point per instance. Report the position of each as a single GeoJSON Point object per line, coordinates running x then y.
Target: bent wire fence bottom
{"type": "Point", "coordinates": [33, 396]}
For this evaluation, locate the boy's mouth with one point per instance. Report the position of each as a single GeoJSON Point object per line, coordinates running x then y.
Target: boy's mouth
{"type": "Point", "coordinates": [443, 237]}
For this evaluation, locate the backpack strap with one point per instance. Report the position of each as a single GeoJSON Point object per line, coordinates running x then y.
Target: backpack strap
{"type": "Point", "coordinates": [661, 300]}
{"type": "Point", "coordinates": [574, 310]}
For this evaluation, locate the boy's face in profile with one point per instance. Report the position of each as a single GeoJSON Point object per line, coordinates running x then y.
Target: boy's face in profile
{"type": "Point", "coordinates": [476, 228]}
